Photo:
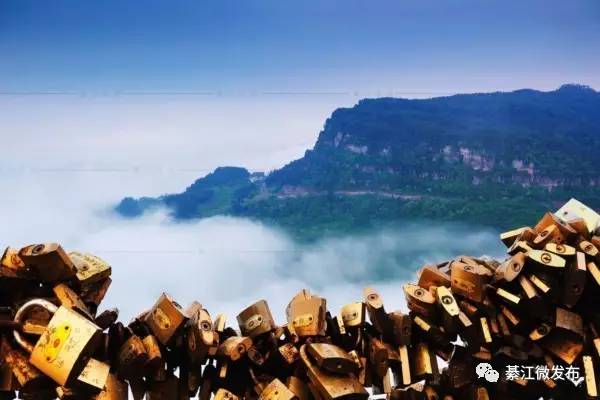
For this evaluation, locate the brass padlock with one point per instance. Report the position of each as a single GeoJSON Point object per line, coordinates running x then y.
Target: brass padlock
{"type": "Point", "coordinates": [432, 276]}
{"type": "Point", "coordinates": [511, 268]}
{"type": "Point", "coordinates": [256, 319]}
{"type": "Point", "coordinates": [299, 388]}
{"type": "Point", "coordinates": [306, 314]}
{"type": "Point", "coordinates": [164, 390]}
{"type": "Point", "coordinates": [165, 318]}
{"type": "Point", "coordinates": [332, 386]}
{"type": "Point", "coordinates": [469, 280]}
{"type": "Point", "coordinates": [132, 356]}
{"type": "Point", "coordinates": [115, 389]}
{"type": "Point", "coordinates": [69, 299]}
{"type": "Point", "coordinates": [509, 237]}
{"type": "Point", "coordinates": [377, 314]}
{"type": "Point", "coordinates": [27, 376]}
{"type": "Point", "coordinates": [401, 328]}
{"type": "Point", "coordinates": [544, 259]}
{"type": "Point", "coordinates": [95, 373]}
{"type": "Point", "coordinates": [419, 300]}
{"type": "Point", "coordinates": [201, 337]}
{"type": "Point", "coordinates": [90, 268]}
{"type": "Point", "coordinates": [331, 358]}
{"type": "Point", "coordinates": [224, 394]}
{"type": "Point", "coordinates": [353, 314]}
{"type": "Point", "coordinates": [61, 350]}
{"type": "Point", "coordinates": [276, 390]}
{"type": "Point", "coordinates": [48, 261]}
{"type": "Point", "coordinates": [12, 262]}
{"type": "Point", "coordinates": [449, 309]}
{"type": "Point", "coordinates": [574, 280]}
{"type": "Point", "coordinates": [235, 347]}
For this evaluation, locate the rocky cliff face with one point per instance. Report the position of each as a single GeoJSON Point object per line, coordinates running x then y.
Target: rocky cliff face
{"type": "Point", "coordinates": [424, 158]}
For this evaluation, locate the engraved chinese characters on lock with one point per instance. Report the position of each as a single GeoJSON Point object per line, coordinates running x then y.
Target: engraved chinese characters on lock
{"type": "Point", "coordinates": [61, 349]}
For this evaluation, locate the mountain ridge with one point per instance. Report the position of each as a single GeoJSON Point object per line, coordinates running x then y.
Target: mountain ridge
{"type": "Point", "coordinates": [469, 157]}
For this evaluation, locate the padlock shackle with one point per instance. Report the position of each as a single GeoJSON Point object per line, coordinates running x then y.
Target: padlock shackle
{"type": "Point", "coordinates": [21, 312]}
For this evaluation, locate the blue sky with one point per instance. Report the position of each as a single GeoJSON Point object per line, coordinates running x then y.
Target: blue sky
{"type": "Point", "coordinates": [258, 46]}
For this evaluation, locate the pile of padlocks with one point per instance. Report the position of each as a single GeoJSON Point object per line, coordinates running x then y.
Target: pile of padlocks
{"type": "Point", "coordinates": [477, 329]}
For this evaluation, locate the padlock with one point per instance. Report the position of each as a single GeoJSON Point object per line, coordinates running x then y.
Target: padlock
{"type": "Point", "coordinates": [256, 319]}
{"type": "Point", "coordinates": [95, 373]}
{"type": "Point", "coordinates": [306, 314]}
{"type": "Point", "coordinates": [331, 358]}
{"type": "Point", "coordinates": [165, 318]}
{"type": "Point", "coordinates": [420, 300]}
{"type": "Point", "coordinates": [299, 388]}
{"type": "Point", "coordinates": [200, 337]}
{"type": "Point", "coordinates": [378, 357]}
{"type": "Point", "coordinates": [288, 353]}
{"type": "Point", "coordinates": [26, 375]}
{"type": "Point", "coordinates": [332, 386]}
{"type": "Point", "coordinates": [276, 390]}
{"type": "Point", "coordinates": [574, 209]}
{"type": "Point", "coordinates": [509, 237]}
{"type": "Point", "coordinates": [132, 356]}
{"type": "Point", "coordinates": [61, 350]}
{"type": "Point", "coordinates": [235, 347]}
{"type": "Point", "coordinates": [224, 394]}
{"type": "Point", "coordinates": [164, 390]}
{"type": "Point", "coordinates": [449, 309]}
{"type": "Point", "coordinates": [90, 268]}
{"type": "Point", "coordinates": [48, 261]}
{"type": "Point", "coordinates": [511, 268]}
{"type": "Point", "coordinates": [563, 346]}
{"type": "Point", "coordinates": [431, 276]}
{"type": "Point", "coordinates": [153, 351]}
{"type": "Point", "coordinates": [425, 364]}
{"type": "Point", "coordinates": [376, 311]}
{"type": "Point", "coordinates": [353, 314]}
{"type": "Point", "coordinates": [69, 299]}
{"type": "Point", "coordinates": [563, 250]}
{"type": "Point", "coordinates": [550, 234]}
{"type": "Point", "coordinates": [588, 248]}
{"type": "Point", "coordinates": [401, 328]}
{"type": "Point", "coordinates": [590, 377]}
{"type": "Point", "coordinates": [574, 280]}
{"type": "Point", "coordinates": [93, 294]}
{"type": "Point", "coordinates": [542, 260]}
{"type": "Point", "coordinates": [12, 262]}
{"type": "Point", "coordinates": [115, 389]}
{"type": "Point", "coordinates": [569, 321]}
{"type": "Point", "coordinates": [469, 281]}
{"type": "Point", "coordinates": [550, 219]}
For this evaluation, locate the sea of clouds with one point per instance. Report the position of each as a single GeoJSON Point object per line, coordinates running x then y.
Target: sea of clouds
{"type": "Point", "coordinates": [65, 163]}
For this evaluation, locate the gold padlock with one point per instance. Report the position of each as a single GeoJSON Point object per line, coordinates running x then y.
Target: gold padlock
{"type": "Point", "coordinates": [299, 388]}
{"type": "Point", "coordinates": [26, 375]}
{"type": "Point", "coordinates": [353, 314]}
{"type": "Point", "coordinates": [69, 299]}
{"type": "Point", "coordinates": [432, 276]}
{"type": "Point", "coordinates": [331, 358]}
{"type": "Point", "coordinates": [332, 386]}
{"type": "Point", "coordinates": [90, 268]}
{"type": "Point", "coordinates": [48, 261]}
{"type": "Point", "coordinates": [95, 373]}
{"type": "Point", "coordinates": [115, 389]}
{"type": "Point", "coordinates": [376, 311]}
{"type": "Point", "coordinates": [224, 394]}
{"type": "Point", "coordinates": [201, 337]}
{"type": "Point", "coordinates": [419, 300]}
{"type": "Point", "coordinates": [11, 261]}
{"type": "Point", "coordinates": [256, 319]}
{"type": "Point", "coordinates": [61, 350]}
{"type": "Point", "coordinates": [276, 390]}
{"type": "Point", "coordinates": [469, 280]}
{"type": "Point", "coordinates": [235, 347]}
{"type": "Point", "coordinates": [511, 268]}
{"type": "Point", "coordinates": [306, 314]}
{"type": "Point", "coordinates": [165, 318]}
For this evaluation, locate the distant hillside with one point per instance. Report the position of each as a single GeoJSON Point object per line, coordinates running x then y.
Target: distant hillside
{"type": "Point", "coordinates": [495, 158]}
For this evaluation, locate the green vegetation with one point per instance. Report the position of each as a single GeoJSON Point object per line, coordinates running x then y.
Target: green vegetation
{"type": "Point", "coordinates": [498, 159]}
